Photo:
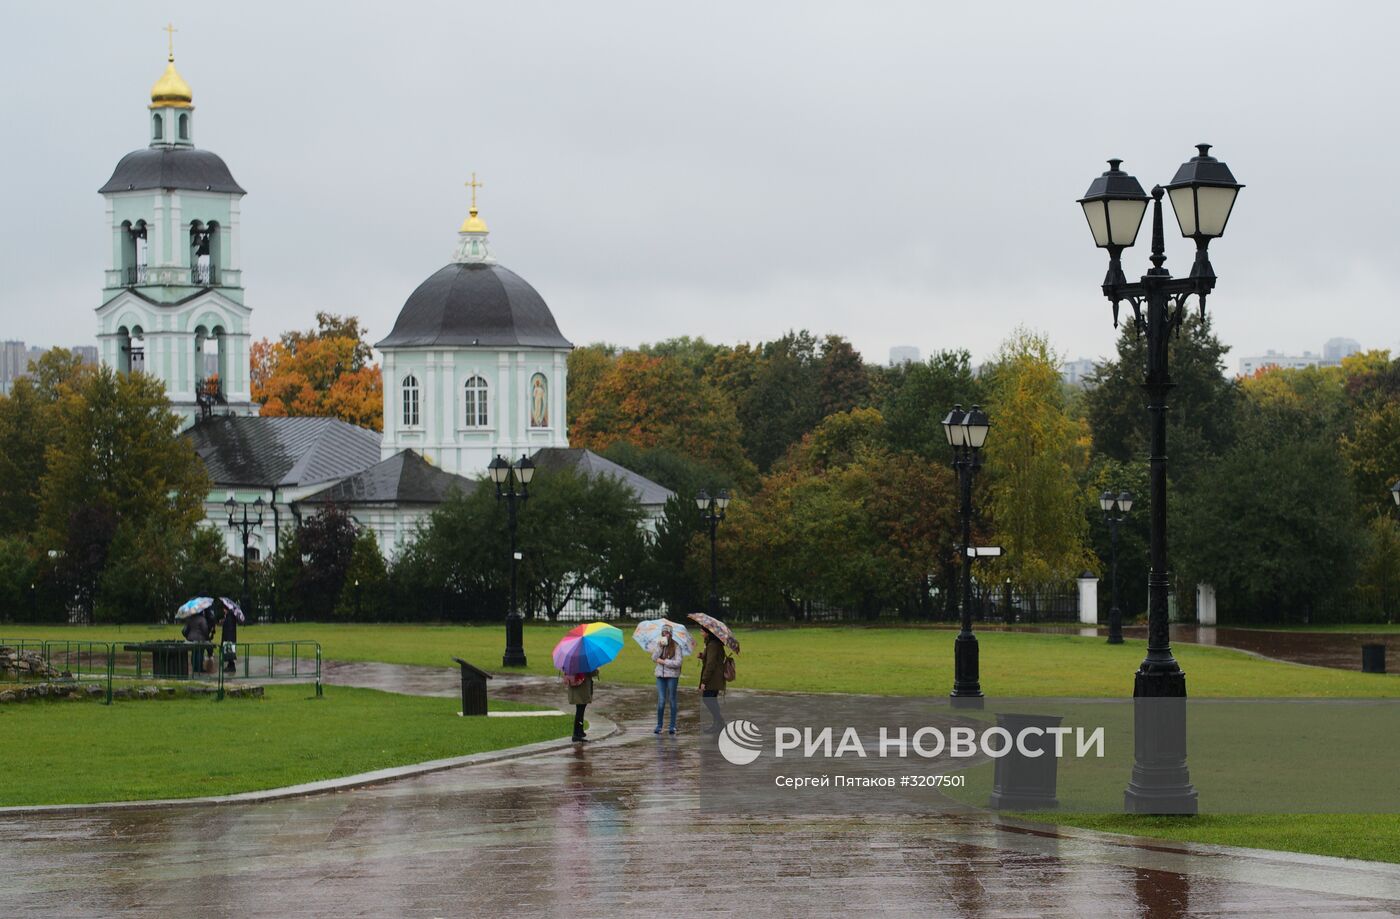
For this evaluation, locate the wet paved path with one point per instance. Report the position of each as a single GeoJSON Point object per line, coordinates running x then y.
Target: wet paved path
{"type": "Point", "coordinates": [618, 829]}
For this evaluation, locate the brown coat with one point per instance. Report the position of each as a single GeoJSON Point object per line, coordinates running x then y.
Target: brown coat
{"type": "Point", "coordinates": [582, 694]}
{"type": "Point", "coordinates": [712, 673]}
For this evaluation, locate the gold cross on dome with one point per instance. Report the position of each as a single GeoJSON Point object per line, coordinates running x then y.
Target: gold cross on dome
{"type": "Point", "coordinates": [474, 185]}
{"type": "Point", "coordinates": [170, 31]}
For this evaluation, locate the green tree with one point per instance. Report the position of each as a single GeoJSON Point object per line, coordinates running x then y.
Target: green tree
{"type": "Point", "coordinates": [915, 397]}
{"type": "Point", "coordinates": [327, 541]}
{"type": "Point", "coordinates": [364, 592]}
{"type": "Point", "coordinates": [1379, 583]}
{"type": "Point", "coordinates": [1034, 459]}
{"type": "Point", "coordinates": [1271, 525]}
{"type": "Point", "coordinates": [843, 382]}
{"type": "Point", "coordinates": [655, 402]}
{"type": "Point", "coordinates": [1200, 407]}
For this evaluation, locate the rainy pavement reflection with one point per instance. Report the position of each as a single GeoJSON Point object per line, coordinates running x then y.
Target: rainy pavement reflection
{"type": "Point", "coordinates": [617, 828]}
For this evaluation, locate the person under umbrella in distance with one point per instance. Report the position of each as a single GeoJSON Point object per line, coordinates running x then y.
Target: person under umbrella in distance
{"type": "Point", "coordinates": [718, 669]}
{"type": "Point", "coordinates": [228, 636]}
{"type": "Point", "coordinates": [668, 659]}
{"type": "Point", "coordinates": [578, 655]}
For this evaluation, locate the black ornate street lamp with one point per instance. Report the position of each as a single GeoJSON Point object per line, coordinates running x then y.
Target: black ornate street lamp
{"type": "Point", "coordinates": [712, 512]}
{"type": "Point", "coordinates": [512, 486]}
{"type": "Point", "coordinates": [1203, 194]}
{"type": "Point", "coordinates": [1108, 502]}
{"type": "Point", "coordinates": [966, 433]}
{"type": "Point", "coordinates": [245, 525]}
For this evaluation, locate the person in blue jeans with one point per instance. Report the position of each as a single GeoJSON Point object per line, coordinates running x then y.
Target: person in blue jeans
{"type": "Point", "coordinates": [668, 658]}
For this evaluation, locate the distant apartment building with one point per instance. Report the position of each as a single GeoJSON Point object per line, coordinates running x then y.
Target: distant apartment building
{"type": "Point", "coordinates": [15, 359]}
{"type": "Point", "coordinates": [1338, 348]}
{"type": "Point", "coordinates": [1331, 356]}
{"type": "Point", "coordinates": [1074, 373]}
{"type": "Point", "coordinates": [903, 354]}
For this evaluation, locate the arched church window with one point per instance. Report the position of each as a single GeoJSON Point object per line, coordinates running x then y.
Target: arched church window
{"type": "Point", "coordinates": [133, 252]}
{"type": "Point", "coordinates": [477, 415]}
{"type": "Point", "coordinates": [157, 128]}
{"type": "Point", "coordinates": [184, 127]}
{"type": "Point", "coordinates": [410, 401]}
{"type": "Point", "coordinates": [203, 252]}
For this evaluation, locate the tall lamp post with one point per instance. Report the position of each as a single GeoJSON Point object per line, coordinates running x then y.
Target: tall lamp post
{"type": "Point", "coordinates": [1385, 573]}
{"type": "Point", "coordinates": [245, 524]}
{"type": "Point", "coordinates": [513, 486]}
{"type": "Point", "coordinates": [712, 512]}
{"type": "Point", "coordinates": [1203, 194]}
{"type": "Point", "coordinates": [1108, 503]}
{"type": "Point", "coordinates": [966, 433]}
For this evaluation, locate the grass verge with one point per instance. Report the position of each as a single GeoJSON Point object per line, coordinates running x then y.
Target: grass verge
{"type": "Point", "coordinates": [909, 661]}
{"type": "Point", "coordinates": [1374, 837]}
{"type": "Point", "coordinates": [72, 753]}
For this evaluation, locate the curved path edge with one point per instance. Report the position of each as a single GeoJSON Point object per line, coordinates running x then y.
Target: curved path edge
{"type": "Point", "coordinates": [605, 728]}
{"type": "Point", "coordinates": [1303, 870]}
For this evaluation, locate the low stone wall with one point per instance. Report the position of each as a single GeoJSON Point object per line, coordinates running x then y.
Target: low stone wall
{"type": "Point", "coordinates": [22, 665]}
{"type": "Point", "coordinates": [75, 692]}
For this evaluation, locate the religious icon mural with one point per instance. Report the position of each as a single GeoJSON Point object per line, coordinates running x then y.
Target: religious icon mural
{"type": "Point", "coordinates": [539, 401]}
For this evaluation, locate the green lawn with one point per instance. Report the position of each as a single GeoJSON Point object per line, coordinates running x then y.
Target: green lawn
{"type": "Point", "coordinates": [876, 660]}
{"type": "Point", "coordinates": [1375, 837]}
{"type": "Point", "coordinates": [882, 660]}
{"type": "Point", "coordinates": [76, 752]}
{"type": "Point", "coordinates": [1359, 628]}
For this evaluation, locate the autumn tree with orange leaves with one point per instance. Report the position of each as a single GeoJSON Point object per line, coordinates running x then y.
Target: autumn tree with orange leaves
{"type": "Point", "coordinates": [322, 372]}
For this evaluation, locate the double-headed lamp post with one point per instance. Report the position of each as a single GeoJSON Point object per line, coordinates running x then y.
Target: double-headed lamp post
{"type": "Point", "coordinates": [512, 486]}
{"type": "Point", "coordinates": [245, 524]}
{"type": "Point", "coordinates": [712, 512]}
{"type": "Point", "coordinates": [966, 433]}
{"type": "Point", "coordinates": [1203, 194]}
{"type": "Point", "coordinates": [1108, 503]}
{"type": "Point", "coordinates": [1385, 583]}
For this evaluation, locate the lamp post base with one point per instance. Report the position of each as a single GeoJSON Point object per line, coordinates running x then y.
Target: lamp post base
{"type": "Point", "coordinates": [1115, 626]}
{"type": "Point", "coordinates": [967, 687]}
{"type": "Point", "coordinates": [1161, 781]}
{"type": "Point", "coordinates": [515, 642]}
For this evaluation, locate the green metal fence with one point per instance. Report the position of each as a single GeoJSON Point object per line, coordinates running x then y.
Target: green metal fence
{"type": "Point", "coordinates": [77, 659]}
{"type": "Point", "coordinates": [292, 661]}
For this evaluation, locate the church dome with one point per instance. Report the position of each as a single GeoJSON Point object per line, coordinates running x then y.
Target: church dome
{"type": "Point", "coordinates": [171, 89]}
{"type": "Point", "coordinates": [171, 167]}
{"type": "Point", "coordinates": [475, 304]}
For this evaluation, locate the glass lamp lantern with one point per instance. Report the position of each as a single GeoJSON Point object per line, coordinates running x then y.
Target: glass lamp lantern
{"type": "Point", "coordinates": [1114, 206]}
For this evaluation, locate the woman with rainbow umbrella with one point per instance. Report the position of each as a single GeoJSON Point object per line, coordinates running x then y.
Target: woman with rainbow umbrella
{"type": "Point", "coordinates": [578, 656]}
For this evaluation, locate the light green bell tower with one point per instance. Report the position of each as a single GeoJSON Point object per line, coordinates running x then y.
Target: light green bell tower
{"type": "Point", "coordinates": [172, 302]}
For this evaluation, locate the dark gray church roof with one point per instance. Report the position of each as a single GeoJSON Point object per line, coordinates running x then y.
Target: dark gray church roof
{"type": "Point", "coordinates": [404, 478]}
{"type": "Point", "coordinates": [171, 167]}
{"type": "Point", "coordinates": [475, 304]}
{"type": "Point", "coordinates": [283, 452]}
{"type": "Point", "coordinates": [587, 463]}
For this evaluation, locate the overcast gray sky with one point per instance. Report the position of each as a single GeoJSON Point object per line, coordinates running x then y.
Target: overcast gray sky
{"type": "Point", "coordinates": [899, 173]}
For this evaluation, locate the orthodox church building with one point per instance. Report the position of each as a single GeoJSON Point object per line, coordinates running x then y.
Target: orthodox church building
{"type": "Point", "coordinates": [474, 367]}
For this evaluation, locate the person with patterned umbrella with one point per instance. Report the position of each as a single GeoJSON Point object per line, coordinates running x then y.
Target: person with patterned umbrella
{"type": "Point", "coordinates": [718, 668]}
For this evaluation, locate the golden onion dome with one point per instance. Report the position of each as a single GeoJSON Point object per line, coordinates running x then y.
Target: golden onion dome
{"type": "Point", "coordinates": [473, 224]}
{"type": "Point", "coordinates": [171, 89]}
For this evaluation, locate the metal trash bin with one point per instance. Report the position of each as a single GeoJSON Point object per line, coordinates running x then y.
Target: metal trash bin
{"type": "Point", "coordinates": [473, 688]}
{"type": "Point", "coordinates": [1026, 782]}
{"type": "Point", "coordinates": [170, 660]}
{"type": "Point", "coordinates": [1373, 658]}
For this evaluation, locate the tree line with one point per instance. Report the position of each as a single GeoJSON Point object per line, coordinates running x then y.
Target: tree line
{"type": "Point", "coordinates": [843, 496]}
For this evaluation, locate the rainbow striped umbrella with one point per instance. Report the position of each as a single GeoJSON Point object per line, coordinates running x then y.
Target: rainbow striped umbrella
{"type": "Point", "coordinates": [587, 647]}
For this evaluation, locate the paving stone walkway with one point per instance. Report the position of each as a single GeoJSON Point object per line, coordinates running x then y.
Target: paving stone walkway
{"type": "Point", "coordinates": [619, 829]}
